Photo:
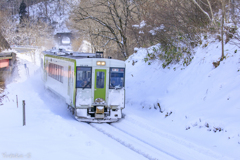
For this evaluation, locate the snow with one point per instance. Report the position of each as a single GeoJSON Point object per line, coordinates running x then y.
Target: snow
{"type": "Point", "coordinates": [55, 11]}
{"type": "Point", "coordinates": [100, 108]}
{"type": "Point", "coordinates": [141, 25]}
{"type": "Point", "coordinates": [153, 32]}
{"type": "Point", "coordinates": [195, 101]}
{"type": "Point", "coordinates": [85, 47]}
{"type": "Point", "coordinates": [116, 97]}
{"type": "Point", "coordinates": [195, 95]}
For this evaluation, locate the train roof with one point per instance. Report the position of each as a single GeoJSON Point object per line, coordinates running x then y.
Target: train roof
{"type": "Point", "coordinates": [71, 54]}
{"type": "Point", "coordinates": [7, 55]}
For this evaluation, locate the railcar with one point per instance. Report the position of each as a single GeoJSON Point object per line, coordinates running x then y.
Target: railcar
{"type": "Point", "coordinates": [92, 86]}
{"type": "Point", "coordinates": [7, 64]}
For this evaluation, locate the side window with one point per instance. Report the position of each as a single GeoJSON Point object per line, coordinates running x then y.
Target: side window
{"type": "Point", "coordinates": [84, 76]}
{"type": "Point", "coordinates": [100, 79]}
{"type": "Point", "coordinates": [55, 71]}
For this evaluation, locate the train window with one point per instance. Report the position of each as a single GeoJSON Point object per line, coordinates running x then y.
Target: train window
{"type": "Point", "coordinates": [55, 71]}
{"type": "Point", "coordinates": [116, 78]}
{"type": "Point", "coordinates": [84, 76]}
{"type": "Point", "coordinates": [100, 79]}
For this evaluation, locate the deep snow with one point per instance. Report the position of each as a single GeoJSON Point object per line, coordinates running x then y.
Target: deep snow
{"type": "Point", "coordinates": [195, 97]}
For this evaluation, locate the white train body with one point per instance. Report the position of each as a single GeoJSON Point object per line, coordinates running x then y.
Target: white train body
{"type": "Point", "coordinates": [92, 87]}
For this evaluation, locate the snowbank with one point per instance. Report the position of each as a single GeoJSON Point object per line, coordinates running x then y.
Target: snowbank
{"type": "Point", "coordinates": [199, 102]}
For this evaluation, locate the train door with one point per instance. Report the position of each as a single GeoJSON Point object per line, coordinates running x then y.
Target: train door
{"type": "Point", "coordinates": [100, 84]}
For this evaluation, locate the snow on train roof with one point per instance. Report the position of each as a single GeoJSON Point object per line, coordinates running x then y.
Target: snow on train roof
{"type": "Point", "coordinates": [70, 54]}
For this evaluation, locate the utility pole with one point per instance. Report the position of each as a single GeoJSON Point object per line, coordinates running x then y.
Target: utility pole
{"type": "Point", "coordinates": [24, 113]}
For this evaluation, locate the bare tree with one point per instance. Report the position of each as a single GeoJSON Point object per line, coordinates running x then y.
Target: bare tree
{"type": "Point", "coordinates": [235, 18]}
{"type": "Point", "coordinates": [7, 25]}
{"type": "Point", "coordinates": [3, 43]}
{"type": "Point", "coordinates": [112, 18]}
{"type": "Point", "coordinates": [205, 12]}
{"type": "Point", "coordinates": [33, 32]}
{"type": "Point", "coordinates": [223, 16]}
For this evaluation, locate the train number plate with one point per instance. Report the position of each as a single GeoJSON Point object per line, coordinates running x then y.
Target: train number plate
{"type": "Point", "coordinates": [99, 110]}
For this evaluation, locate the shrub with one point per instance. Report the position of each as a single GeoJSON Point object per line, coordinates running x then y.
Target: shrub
{"type": "Point", "coordinates": [170, 54]}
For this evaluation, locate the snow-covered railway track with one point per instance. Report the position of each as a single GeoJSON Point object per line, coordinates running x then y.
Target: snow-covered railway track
{"type": "Point", "coordinates": [133, 143]}
{"type": "Point", "coordinates": [163, 142]}
{"type": "Point", "coordinates": [151, 143]}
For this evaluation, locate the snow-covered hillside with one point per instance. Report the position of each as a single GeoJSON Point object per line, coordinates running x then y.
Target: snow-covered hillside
{"type": "Point", "coordinates": [199, 120]}
{"type": "Point", "coordinates": [199, 102]}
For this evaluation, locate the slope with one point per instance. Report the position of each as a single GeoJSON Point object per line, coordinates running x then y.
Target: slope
{"type": "Point", "coordinates": [199, 102]}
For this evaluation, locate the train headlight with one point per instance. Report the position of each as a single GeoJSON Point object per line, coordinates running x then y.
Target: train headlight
{"type": "Point", "coordinates": [101, 63]}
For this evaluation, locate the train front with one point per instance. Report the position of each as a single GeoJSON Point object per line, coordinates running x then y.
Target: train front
{"type": "Point", "coordinates": [100, 92]}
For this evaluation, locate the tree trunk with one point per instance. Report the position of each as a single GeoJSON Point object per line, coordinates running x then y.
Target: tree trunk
{"type": "Point", "coordinates": [46, 5]}
{"type": "Point", "coordinates": [233, 9]}
{"type": "Point", "coordinates": [223, 13]}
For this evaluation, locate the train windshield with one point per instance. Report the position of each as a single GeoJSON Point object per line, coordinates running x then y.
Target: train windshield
{"type": "Point", "coordinates": [84, 76]}
{"type": "Point", "coordinates": [117, 78]}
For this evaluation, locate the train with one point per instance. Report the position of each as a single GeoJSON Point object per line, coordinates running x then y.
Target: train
{"type": "Point", "coordinates": [7, 65]}
{"type": "Point", "coordinates": [93, 87]}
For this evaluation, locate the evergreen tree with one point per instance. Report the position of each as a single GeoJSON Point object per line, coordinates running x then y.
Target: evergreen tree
{"type": "Point", "coordinates": [22, 12]}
